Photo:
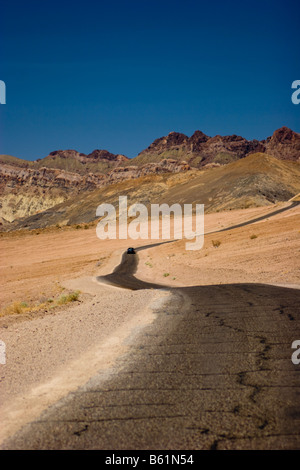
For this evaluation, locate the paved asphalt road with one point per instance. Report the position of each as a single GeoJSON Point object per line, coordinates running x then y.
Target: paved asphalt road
{"type": "Point", "coordinates": [214, 371]}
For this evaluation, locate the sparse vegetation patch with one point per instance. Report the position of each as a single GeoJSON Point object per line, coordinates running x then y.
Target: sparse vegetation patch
{"type": "Point", "coordinates": [17, 308]}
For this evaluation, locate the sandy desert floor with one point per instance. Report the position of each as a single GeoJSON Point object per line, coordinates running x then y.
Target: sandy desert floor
{"type": "Point", "coordinates": [265, 252]}
{"type": "Point", "coordinates": [35, 265]}
{"type": "Point", "coordinates": [51, 351]}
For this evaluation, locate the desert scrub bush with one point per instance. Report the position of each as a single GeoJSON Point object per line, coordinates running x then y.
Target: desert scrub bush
{"type": "Point", "coordinates": [216, 243]}
{"type": "Point", "coordinates": [72, 297]}
{"type": "Point", "coordinates": [166, 274]}
{"type": "Point", "coordinates": [14, 308]}
{"type": "Point", "coordinates": [253, 236]}
{"type": "Point", "coordinates": [23, 307]}
{"type": "Point", "coordinates": [149, 264]}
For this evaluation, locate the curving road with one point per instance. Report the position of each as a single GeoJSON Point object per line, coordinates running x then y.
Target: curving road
{"type": "Point", "coordinates": [213, 371]}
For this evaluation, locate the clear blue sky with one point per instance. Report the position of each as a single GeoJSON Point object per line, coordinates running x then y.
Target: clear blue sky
{"type": "Point", "coordinates": [116, 75]}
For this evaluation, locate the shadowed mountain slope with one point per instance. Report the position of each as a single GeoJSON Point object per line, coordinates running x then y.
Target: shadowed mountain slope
{"type": "Point", "coordinates": [256, 180]}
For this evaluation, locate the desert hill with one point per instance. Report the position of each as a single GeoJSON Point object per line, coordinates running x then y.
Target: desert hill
{"type": "Point", "coordinates": [98, 161]}
{"type": "Point", "coordinates": [31, 187]}
{"type": "Point", "coordinates": [25, 191]}
{"type": "Point", "coordinates": [256, 180]}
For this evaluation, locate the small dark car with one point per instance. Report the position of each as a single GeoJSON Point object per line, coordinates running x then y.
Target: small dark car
{"type": "Point", "coordinates": [131, 251]}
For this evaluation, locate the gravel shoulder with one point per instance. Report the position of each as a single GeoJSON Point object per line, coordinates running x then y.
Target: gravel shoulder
{"type": "Point", "coordinates": [49, 356]}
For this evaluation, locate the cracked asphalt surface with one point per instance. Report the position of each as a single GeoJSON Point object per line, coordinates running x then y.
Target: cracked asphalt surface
{"type": "Point", "coordinates": [213, 371]}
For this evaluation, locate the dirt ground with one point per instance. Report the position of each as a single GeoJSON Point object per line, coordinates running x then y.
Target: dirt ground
{"type": "Point", "coordinates": [267, 251]}
{"type": "Point", "coordinates": [35, 265]}
{"type": "Point", "coordinates": [88, 334]}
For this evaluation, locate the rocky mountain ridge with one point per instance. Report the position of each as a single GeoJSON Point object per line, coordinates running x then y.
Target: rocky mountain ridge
{"type": "Point", "coordinates": [29, 187]}
{"type": "Point", "coordinates": [200, 150]}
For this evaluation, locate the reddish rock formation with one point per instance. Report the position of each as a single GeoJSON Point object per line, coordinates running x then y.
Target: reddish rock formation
{"type": "Point", "coordinates": [284, 144]}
